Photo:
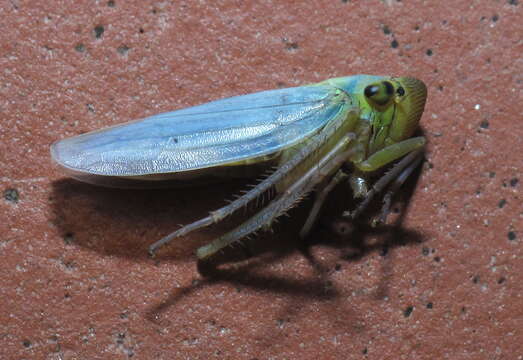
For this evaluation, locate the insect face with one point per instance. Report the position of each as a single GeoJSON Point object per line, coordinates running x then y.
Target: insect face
{"type": "Point", "coordinates": [395, 105]}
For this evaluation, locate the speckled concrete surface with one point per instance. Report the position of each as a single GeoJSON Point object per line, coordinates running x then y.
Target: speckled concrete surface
{"type": "Point", "coordinates": [76, 282]}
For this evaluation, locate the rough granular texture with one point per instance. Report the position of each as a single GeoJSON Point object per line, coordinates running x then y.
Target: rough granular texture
{"type": "Point", "coordinates": [76, 281]}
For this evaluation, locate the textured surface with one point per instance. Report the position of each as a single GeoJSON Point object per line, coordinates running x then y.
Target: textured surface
{"type": "Point", "coordinates": [76, 281]}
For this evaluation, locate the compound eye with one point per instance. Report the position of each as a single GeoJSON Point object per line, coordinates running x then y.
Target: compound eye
{"type": "Point", "coordinates": [379, 93]}
{"type": "Point", "coordinates": [371, 90]}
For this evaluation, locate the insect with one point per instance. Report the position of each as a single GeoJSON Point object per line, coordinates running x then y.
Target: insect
{"type": "Point", "coordinates": [314, 136]}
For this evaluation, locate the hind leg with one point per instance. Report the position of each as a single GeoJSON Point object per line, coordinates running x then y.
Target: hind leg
{"type": "Point", "coordinates": [286, 200]}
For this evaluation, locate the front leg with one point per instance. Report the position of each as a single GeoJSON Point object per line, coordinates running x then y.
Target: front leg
{"type": "Point", "coordinates": [398, 182]}
{"type": "Point", "coordinates": [413, 148]}
{"type": "Point", "coordinates": [391, 153]}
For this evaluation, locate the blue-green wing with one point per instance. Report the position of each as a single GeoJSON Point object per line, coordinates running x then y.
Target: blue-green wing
{"type": "Point", "coordinates": [215, 133]}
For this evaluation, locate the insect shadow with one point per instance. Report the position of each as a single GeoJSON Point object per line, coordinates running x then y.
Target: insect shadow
{"type": "Point", "coordinates": [354, 241]}
{"type": "Point", "coordinates": [250, 274]}
{"type": "Point", "coordinates": [124, 222]}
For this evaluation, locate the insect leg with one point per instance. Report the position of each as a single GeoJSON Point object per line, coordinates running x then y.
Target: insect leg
{"type": "Point", "coordinates": [398, 182]}
{"type": "Point", "coordinates": [384, 181]}
{"type": "Point", "coordinates": [219, 214]}
{"type": "Point", "coordinates": [313, 144]}
{"type": "Point", "coordinates": [321, 195]}
{"type": "Point", "coordinates": [264, 218]}
{"type": "Point", "coordinates": [391, 153]}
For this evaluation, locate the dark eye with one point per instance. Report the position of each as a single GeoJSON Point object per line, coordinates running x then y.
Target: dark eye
{"type": "Point", "coordinates": [379, 93]}
{"type": "Point", "coordinates": [372, 90]}
{"type": "Point", "coordinates": [400, 91]}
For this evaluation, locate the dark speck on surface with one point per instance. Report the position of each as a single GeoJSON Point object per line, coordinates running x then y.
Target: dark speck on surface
{"type": "Point", "coordinates": [408, 311]}
{"type": "Point", "coordinates": [386, 30]}
{"type": "Point", "coordinates": [111, 3]}
{"type": "Point", "coordinates": [514, 182]}
{"type": "Point", "coordinates": [429, 52]}
{"type": "Point", "coordinates": [98, 31]}
{"type": "Point", "coordinates": [290, 45]}
{"type": "Point", "coordinates": [502, 203]}
{"type": "Point", "coordinates": [430, 305]}
{"type": "Point", "coordinates": [484, 124]}
{"type": "Point", "coordinates": [11, 195]}
{"type": "Point", "coordinates": [511, 235]}
{"type": "Point", "coordinates": [394, 44]}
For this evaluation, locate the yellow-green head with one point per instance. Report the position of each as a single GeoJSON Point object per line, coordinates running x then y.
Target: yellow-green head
{"type": "Point", "coordinates": [393, 106]}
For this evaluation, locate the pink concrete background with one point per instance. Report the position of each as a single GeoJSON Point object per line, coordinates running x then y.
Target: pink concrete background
{"type": "Point", "coordinates": [75, 279]}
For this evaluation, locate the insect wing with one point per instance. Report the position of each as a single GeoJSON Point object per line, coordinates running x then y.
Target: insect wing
{"type": "Point", "coordinates": [215, 133]}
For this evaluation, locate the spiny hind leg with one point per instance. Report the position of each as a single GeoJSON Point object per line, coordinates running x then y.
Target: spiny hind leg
{"type": "Point", "coordinates": [221, 213]}
{"type": "Point", "coordinates": [263, 219]}
{"type": "Point", "coordinates": [215, 216]}
{"type": "Point", "coordinates": [287, 199]}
